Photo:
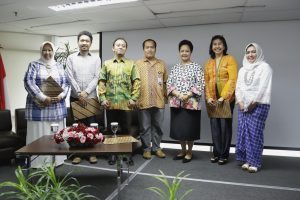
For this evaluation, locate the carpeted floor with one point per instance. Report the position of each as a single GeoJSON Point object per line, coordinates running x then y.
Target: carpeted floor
{"type": "Point", "coordinates": [278, 179]}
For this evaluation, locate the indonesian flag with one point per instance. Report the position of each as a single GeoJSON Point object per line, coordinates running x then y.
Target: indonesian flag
{"type": "Point", "coordinates": [3, 89]}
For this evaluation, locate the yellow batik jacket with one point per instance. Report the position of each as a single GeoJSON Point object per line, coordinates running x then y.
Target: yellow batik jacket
{"type": "Point", "coordinates": [221, 79]}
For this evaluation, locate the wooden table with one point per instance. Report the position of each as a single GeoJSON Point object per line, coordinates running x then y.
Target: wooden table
{"type": "Point", "coordinates": [47, 146]}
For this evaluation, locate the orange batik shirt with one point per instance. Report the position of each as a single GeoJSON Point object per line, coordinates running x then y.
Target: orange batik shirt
{"type": "Point", "coordinates": [222, 78]}
{"type": "Point", "coordinates": [153, 78]}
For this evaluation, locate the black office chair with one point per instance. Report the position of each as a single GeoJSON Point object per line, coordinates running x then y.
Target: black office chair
{"type": "Point", "coordinates": [9, 141]}
{"type": "Point", "coordinates": [21, 124]}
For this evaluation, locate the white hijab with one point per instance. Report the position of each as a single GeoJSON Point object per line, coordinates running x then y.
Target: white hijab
{"type": "Point", "coordinates": [42, 60]}
{"type": "Point", "coordinates": [260, 58]}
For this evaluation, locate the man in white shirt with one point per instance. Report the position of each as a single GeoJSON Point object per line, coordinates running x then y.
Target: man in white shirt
{"type": "Point", "coordinates": [83, 70]}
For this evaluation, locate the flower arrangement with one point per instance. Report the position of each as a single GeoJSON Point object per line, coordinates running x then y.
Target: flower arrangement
{"type": "Point", "coordinates": [80, 135]}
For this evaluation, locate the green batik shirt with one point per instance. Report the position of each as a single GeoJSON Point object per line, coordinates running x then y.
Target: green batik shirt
{"type": "Point", "coordinates": [119, 82]}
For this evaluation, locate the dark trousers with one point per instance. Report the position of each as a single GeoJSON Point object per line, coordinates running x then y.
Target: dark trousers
{"type": "Point", "coordinates": [221, 130]}
{"type": "Point", "coordinates": [123, 117]}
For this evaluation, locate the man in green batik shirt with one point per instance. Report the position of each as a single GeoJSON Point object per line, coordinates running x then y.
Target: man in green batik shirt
{"type": "Point", "coordinates": [119, 87]}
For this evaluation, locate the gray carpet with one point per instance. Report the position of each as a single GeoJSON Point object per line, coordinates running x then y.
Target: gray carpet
{"type": "Point", "coordinates": [278, 179]}
{"type": "Point", "coordinates": [207, 191]}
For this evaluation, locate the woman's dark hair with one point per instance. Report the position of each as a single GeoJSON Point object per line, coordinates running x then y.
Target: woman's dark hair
{"type": "Point", "coordinates": [120, 39]}
{"type": "Point", "coordinates": [149, 40]}
{"type": "Point", "coordinates": [186, 42]}
{"type": "Point", "coordinates": [85, 33]}
{"type": "Point", "coordinates": [220, 37]}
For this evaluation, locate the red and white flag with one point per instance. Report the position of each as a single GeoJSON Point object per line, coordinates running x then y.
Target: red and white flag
{"type": "Point", "coordinates": [4, 103]}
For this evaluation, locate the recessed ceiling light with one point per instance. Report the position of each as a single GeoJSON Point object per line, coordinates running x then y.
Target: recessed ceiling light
{"type": "Point", "coordinates": [87, 4]}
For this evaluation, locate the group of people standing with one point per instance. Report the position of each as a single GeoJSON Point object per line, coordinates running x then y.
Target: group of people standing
{"type": "Point", "coordinates": [125, 85]}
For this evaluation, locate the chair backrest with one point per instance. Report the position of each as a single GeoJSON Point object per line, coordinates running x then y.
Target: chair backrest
{"type": "Point", "coordinates": [5, 118]}
{"type": "Point", "coordinates": [20, 122]}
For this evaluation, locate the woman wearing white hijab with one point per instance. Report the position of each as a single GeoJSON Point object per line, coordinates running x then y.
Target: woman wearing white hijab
{"type": "Point", "coordinates": [253, 95]}
{"type": "Point", "coordinates": [41, 110]}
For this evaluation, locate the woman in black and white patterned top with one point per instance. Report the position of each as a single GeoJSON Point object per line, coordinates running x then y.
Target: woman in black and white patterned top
{"type": "Point", "coordinates": [185, 87]}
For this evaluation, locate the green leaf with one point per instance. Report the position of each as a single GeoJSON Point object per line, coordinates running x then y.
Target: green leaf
{"type": "Point", "coordinates": [185, 194]}
{"type": "Point", "coordinates": [171, 188]}
{"type": "Point", "coordinates": [158, 191]}
{"type": "Point", "coordinates": [43, 184]}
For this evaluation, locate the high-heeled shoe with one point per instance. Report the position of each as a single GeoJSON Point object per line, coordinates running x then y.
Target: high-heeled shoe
{"type": "Point", "coordinates": [214, 159]}
{"type": "Point", "coordinates": [179, 157]}
{"type": "Point", "coordinates": [186, 160]}
{"type": "Point", "coordinates": [222, 161]}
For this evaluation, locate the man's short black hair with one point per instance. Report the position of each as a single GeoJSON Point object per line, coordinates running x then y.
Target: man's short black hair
{"type": "Point", "coordinates": [85, 33]}
{"type": "Point", "coordinates": [120, 38]}
{"type": "Point", "coordinates": [149, 40]}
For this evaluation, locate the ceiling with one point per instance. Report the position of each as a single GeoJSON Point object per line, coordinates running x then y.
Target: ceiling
{"type": "Point", "coordinates": [34, 16]}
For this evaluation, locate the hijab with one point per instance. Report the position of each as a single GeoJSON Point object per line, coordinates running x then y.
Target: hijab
{"type": "Point", "coordinates": [259, 57]}
{"type": "Point", "coordinates": [47, 63]}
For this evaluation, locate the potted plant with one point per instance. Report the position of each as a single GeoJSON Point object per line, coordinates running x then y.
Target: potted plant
{"type": "Point", "coordinates": [172, 188]}
{"type": "Point", "coordinates": [43, 185]}
{"type": "Point", "coordinates": [62, 54]}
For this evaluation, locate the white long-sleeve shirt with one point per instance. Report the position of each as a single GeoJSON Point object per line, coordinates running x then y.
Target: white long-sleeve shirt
{"type": "Point", "coordinates": [83, 73]}
{"type": "Point", "coordinates": [254, 85]}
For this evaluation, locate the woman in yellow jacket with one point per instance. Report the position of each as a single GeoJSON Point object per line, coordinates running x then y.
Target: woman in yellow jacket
{"type": "Point", "coordinates": [220, 80]}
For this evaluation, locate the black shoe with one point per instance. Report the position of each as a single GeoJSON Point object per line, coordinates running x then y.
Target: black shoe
{"type": "Point", "coordinates": [131, 162]}
{"type": "Point", "coordinates": [186, 160]}
{"type": "Point", "coordinates": [178, 157]}
{"type": "Point", "coordinates": [112, 160]}
{"type": "Point", "coordinates": [214, 159]}
{"type": "Point", "coordinates": [222, 161]}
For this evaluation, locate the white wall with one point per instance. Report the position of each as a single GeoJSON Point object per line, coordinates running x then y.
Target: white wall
{"type": "Point", "coordinates": [18, 50]}
{"type": "Point", "coordinates": [280, 42]}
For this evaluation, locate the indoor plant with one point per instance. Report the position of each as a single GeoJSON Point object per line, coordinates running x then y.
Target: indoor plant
{"type": "Point", "coordinates": [62, 54]}
{"type": "Point", "coordinates": [43, 185]}
{"type": "Point", "coordinates": [172, 188]}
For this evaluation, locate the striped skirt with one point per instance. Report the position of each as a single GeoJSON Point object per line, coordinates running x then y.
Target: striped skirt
{"type": "Point", "coordinates": [250, 138]}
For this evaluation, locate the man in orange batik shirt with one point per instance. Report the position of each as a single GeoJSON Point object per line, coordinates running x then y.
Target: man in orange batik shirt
{"type": "Point", "coordinates": [151, 103]}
